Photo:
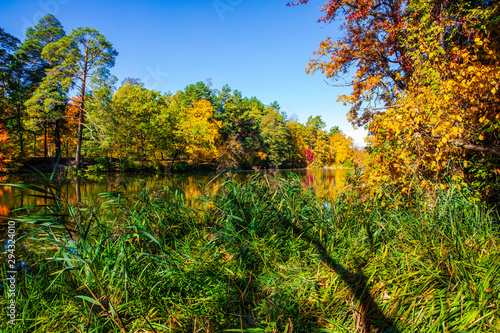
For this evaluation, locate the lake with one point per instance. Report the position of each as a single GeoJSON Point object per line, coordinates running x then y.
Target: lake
{"type": "Point", "coordinates": [323, 181]}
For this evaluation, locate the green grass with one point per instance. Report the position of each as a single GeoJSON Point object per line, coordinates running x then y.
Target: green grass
{"type": "Point", "coordinates": [264, 255]}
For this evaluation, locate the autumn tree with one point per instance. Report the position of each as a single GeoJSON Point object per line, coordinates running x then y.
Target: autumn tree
{"type": "Point", "coordinates": [4, 141]}
{"type": "Point", "coordinates": [70, 128]}
{"type": "Point", "coordinates": [195, 130]}
{"type": "Point", "coordinates": [317, 141]}
{"type": "Point", "coordinates": [446, 125]}
{"type": "Point", "coordinates": [370, 42]}
{"type": "Point", "coordinates": [8, 46]}
{"type": "Point", "coordinates": [297, 145]}
{"type": "Point", "coordinates": [426, 87]}
{"type": "Point", "coordinates": [341, 147]}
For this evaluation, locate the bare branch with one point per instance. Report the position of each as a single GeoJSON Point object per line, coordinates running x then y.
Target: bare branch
{"type": "Point", "coordinates": [481, 149]}
{"type": "Point", "coordinates": [384, 107]}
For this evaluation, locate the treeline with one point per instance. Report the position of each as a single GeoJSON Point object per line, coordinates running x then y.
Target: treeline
{"type": "Point", "coordinates": [57, 97]}
{"type": "Point", "coordinates": [204, 125]}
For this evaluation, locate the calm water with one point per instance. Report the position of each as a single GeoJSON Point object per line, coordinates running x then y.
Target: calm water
{"type": "Point", "coordinates": [323, 181]}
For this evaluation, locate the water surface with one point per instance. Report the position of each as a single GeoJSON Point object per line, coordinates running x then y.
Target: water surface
{"type": "Point", "coordinates": [192, 185]}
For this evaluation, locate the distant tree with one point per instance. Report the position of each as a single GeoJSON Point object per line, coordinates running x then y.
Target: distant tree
{"type": "Point", "coordinates": [102, 118]}
{"type": "Point", "coordinates": [81, 61]}
{"type": "Point", "coordinates": [134, 129]}
{"type": "Point", "coordinates": [195, 127]}
{"type": "Point", "coordinates": [195, 92]}
{"type": "Point", "coordinates": [132, 81]}
{"type": "Point", "coordinates": [46, 103]}
{"type": "Point", "coordinates": [274, 136]}
{"type": "Point", "coordinates": [320, 148]}
{"type": "Point", "coordinates": [334, 130]}
{"type": "Point", "coordinates": [240, 117]}
{"type": "Point", "coordinates": [309, 156]}
{"type": "Point", "coordinates": [315, 123]}
{"type": "Point", "coordinates": [297, 145]}
{"type": "Point", "coordinates": [341, 147]}
{"type": "Point", "coordinates": [8, 85]}
{"type": "Point", "coordinates": [4, 140]}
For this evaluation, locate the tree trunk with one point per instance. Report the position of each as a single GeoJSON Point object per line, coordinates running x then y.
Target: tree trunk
{"type": "Point", "coordinates": [78, 157]}
{"type": "Point", "coordinates": [57, 138]}
{"type": "Point", "coordinates": [20, 129]}
{"type": "Point", "coordinates": [45, 143]}
{"type": "Point", "coordinates": [173, 160]}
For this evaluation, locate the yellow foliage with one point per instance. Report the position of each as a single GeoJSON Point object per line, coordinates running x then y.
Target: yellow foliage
{"type": "Point", "coordinates": [342, 148]}
{"type": "Point", "coordinates": [199, 129]}
{"type": "Point", "coordinates": [448, 112]}
{"type": "Point", "coordinates": [261, 155]}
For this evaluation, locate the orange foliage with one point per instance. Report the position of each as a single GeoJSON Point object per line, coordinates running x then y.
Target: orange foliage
{"type": "Point", "coordinates": [4, 210]}
{"type": "Point", "coordinates": [372, 31]}
{"type": "Point", "coordinates": [71, 126]}
{"type": "Point", "coordinates": [4, 141]}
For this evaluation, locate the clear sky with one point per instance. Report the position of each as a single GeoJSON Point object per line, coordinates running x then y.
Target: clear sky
{"type": "Point", "coordinates": [259, 47]}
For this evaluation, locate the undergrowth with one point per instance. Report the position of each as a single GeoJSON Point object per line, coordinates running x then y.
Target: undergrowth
{"type": "Point", "coordinates": [264, 255]}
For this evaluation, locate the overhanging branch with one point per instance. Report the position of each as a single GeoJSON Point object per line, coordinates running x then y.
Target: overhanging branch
{"type": "Point", "coordinates": [481, 149]}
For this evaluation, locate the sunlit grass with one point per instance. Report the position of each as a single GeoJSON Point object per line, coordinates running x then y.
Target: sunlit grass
{"type": "Point", "coordinates": [264, 255]}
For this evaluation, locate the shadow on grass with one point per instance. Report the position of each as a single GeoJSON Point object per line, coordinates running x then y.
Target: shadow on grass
{"type": "Point", "coordinates": [370, 316]}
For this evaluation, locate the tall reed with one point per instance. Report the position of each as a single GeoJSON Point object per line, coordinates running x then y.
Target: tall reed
{"type": "Point", "coordinates": [264, 255]}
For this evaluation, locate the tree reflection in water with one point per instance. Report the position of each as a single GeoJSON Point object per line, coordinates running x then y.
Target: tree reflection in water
{"type": "Point", "coordinates": [325, 182]}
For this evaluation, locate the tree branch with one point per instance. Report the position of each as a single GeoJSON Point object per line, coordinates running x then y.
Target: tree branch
{"type": "Point", "coordinates": [481, 149]}
{"type": "Point", "coordinates": [384, 107]}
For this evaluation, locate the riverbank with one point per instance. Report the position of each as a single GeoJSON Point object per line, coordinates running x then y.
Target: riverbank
{"type": "Point", "coordinates": [264, 255]}
{"type": "Point", "coordinates": [95, 166]}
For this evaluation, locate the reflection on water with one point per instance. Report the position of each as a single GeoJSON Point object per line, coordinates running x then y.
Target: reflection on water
{"type": "Point", "coordinates": [323, 181]}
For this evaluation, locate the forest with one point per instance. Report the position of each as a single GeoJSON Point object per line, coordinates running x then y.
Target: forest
{"type": "Point", "coordinates": [409, 243]}
{"type": "Point", "coordinates": [59, 99]}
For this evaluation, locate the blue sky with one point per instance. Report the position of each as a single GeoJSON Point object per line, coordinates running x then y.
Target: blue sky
{"type": "Point", "coordinates": [259, 47]}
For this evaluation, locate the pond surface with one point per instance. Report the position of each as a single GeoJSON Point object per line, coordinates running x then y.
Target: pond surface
{"type": "Point", "coordinates": [323, 181]}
